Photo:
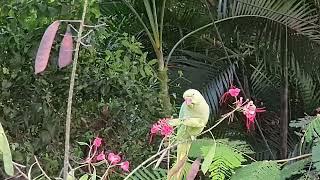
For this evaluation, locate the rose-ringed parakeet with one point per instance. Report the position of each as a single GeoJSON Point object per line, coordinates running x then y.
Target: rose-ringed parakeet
{"type": "Point", "coordinates": [193, 118]}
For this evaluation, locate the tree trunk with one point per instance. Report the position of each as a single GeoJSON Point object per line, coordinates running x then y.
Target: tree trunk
{"type": "Point", "coordinates": [284, 103]}
{"type": "Point", "coordinates": [164, 87]}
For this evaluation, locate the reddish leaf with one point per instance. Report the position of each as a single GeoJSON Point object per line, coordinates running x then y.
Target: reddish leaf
{"type": "Point", "coordinates": [177, 168]}
{"type": "Point", "coordinates": [194, 169]}
{"type": "Point", "coordinates": [66, 50]}
{"type": "Point", "coordinates": [45, 47]}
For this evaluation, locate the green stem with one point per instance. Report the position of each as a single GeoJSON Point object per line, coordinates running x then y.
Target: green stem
{"type": "Point", "coordinates": [69, 106]}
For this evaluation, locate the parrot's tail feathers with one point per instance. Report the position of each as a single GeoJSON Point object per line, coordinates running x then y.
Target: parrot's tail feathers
{"type": "Point", "coordinates": [177, 169]}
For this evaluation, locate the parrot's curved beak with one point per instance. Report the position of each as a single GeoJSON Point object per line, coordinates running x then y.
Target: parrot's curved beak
{"type": "Point", "coordinates": [188, 101]}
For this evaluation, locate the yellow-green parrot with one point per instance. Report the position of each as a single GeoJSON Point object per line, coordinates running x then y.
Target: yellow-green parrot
{"type": "Point", "coordinates": [193, 118]}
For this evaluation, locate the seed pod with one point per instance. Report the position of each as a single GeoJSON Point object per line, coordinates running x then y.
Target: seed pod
{"type": "Point", "coordinates": [66, 50]}
{"type": "Point", "coordinates": [45, 47]}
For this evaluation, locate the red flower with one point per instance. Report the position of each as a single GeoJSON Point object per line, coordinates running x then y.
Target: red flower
{"type": "Point", "coordinates": [114, 158]}
{"type": "Point", "coordinates": [166, 130]}
{"type": "Point", "coordinates": [250, 111]}
{"type": "Point", "coordinates": [125, 166]}
{"type": "Point", "coordinates": [234, 92]}
{"type": "Point", "coordinates": [155, 128]}
{"type": "Point", "coordinates": [101, 156]}
{"type": "Point", "coordinates": [97, 142]}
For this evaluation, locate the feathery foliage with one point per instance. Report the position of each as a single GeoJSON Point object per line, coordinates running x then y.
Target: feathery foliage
{"type": "Point", "coordinates": [316, 156]}
{"type": "Point", "coordinates": [226, 158]}
{"type": "Point", "coordinates": [309, 125]}
{"type": "Point", "coordinates": [258, 170]}
{"type": "Point", "coordinates": [294, 168]}
{"type": "Point", "coordinates": [149, 174]}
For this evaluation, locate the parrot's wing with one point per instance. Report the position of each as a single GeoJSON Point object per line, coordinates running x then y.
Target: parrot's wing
{"type": "Point", "coordinates": [182, 111]}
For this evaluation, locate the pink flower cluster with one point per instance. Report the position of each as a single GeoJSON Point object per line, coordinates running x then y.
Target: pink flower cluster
{"type": "Point", "coordinates": [113, 158]}
{"type": "Point", "coordinates": [163, 127]}
{"type": "Point", "coordinates": [248, 108]}
{"type": "Point", "coordinates": [233, 91]}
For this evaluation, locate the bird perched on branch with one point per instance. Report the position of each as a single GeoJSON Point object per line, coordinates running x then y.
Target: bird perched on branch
{"type": "Point", "coordinates": [193, 118]}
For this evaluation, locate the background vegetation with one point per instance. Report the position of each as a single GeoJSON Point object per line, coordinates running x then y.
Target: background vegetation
{"type": "Point", "coordinates": [267, 48]}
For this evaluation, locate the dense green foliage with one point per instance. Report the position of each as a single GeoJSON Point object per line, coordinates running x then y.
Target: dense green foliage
{"type": "Point", "coordinates": [115, 90]}
{"type": "Point", "coordinates": [269, 49]}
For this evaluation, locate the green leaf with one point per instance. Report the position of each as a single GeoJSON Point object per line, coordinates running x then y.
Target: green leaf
{"type": "Point", "coordinates": [84, 177]}
{"type": "Point", "coordinates": [310, 125]}
{"type": "Point", "coordinates": [94, 174]}
{"type": "Point", "coordinates": [208, 159]}
{"type": "Point", "coordinates": [82, 143]}
{"type": "Point", "coordinates": [258, 170]}
{"type": "Point", "coordinates": [316, 156]}
{"type": "Point", "coordinates": [6, 153]}
{"type": "Point", "coordinates": [294, 168]}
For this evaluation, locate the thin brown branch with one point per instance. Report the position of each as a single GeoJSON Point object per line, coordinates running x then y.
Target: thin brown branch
{"type": "Point", "coordinates": [294, 158]}
{"type": "Point", "coordinates": [43, 172]}
{"type": "Point", "coordinates": [72, 81]}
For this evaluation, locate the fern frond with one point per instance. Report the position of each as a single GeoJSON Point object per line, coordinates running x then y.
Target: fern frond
{"type": "Point", "coordinates": [258, 170]}
{"type": "Point", "coordinates": [294, 168]}
{"type": "Point", "coordinates": [309, 125]}
{"type": "Point", "coordinates": [224, 162]}
{"type": "Point", "coordinates": [149, 174]}
{"type": "Point", "coordinates": [227, 157]}
{"type": "Point", "coordinates": [306, 87]}
{"type": "Point", "coordinates": [316, 156]}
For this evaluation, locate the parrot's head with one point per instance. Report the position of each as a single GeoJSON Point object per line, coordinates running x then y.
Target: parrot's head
{"type": "Point", "coordinates": [192, 97]}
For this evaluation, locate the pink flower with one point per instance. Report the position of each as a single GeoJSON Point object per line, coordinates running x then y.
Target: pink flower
{"type": "Point", "coordinates": [233, 91]}
{"type": "Point", "coordinates": [101, 156]}
{"type": "Point", "coordinates": [125, 166]}
{"type": "Point", "coordinates": [155, 128]}
{"type": "Point", "coordinates": [166, 130]}
{"type": "Point", "coordinates": [250, 111]}
{"type": "Point", "coordinates": [97, 142]}
{"type": "Point", "coordinates": [114, 158]}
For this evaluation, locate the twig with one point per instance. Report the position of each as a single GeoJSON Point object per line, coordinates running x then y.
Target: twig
{"type": "Point", "coordinates": [222, 119]}
{"type": "Point", "coordinates": [44, 173]}
{"type": "Point", "coordinates": [152, 157]}
{"type": "Point", "coordinates": [22, 173]}
{"type": "Point", "coordinates": [294, 158]}
{"type": "Point", "coordinates": [95, 26]}
{"type": "Point", "coordinates": [69, 106]}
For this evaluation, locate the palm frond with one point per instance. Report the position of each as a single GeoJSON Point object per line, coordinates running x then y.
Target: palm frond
{"type": "Point", "coordinates": [296, 15]}
{"type": "Point", "coordinates": [217, 87]}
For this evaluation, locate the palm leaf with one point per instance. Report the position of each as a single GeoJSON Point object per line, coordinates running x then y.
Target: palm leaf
{"type": "Point", "coordinates": [217, 87]}
{"type": "Point", "coordinates": [296, 15]}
